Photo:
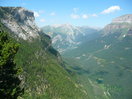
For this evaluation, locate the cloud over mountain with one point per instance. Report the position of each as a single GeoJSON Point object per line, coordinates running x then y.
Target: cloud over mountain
{"type": "Point", "coordinates": [111, 9]}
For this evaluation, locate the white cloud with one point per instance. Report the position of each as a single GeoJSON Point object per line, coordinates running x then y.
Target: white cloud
{"type": "Point", "coordinates": [36, 14]}
{"type": "Point", "coordinates": [85, 16]}
{"type": "Point", "coordinates": [52, 13]}
{"type": "Point", "coordinates": [111, 9]}
{"type": "Point", "coordinates": [75, 16]}
{"type": "Point", "coordinates": [42, 20]}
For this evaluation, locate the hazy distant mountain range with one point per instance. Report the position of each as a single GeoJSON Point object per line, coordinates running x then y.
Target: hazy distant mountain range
{"type": "Point", "coordinates": [67, 36]}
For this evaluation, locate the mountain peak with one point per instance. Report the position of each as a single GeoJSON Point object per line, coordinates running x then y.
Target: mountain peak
{"type": "Point", "coordinates": [119, 23]}
{"type": "Point", "coordinates": [123, 19]}
{"type": "Point", "coordinates": [19, 13]}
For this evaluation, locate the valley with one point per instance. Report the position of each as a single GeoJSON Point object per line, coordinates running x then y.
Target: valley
{"type": "Point", "coordinates": [64, 61]}
{"type": "Point", "coordinates": [102, 63]}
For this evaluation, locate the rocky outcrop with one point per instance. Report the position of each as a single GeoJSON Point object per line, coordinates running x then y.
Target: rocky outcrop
{"type": "Point", "coordinates": [123, 19]}
{"type": "Point", "coordinates": [122, 22]}
{"type": "Point", "coordinates": [20, 21]}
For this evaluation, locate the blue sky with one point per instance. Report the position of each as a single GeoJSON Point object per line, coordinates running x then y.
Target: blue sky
{"type": "Point", "coordinates": [94, 13]}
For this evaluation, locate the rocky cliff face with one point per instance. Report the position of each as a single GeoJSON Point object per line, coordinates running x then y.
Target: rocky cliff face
{"type": "Point", "coordinates": [123, 19]}
{"type": "Point", "coordinates": [122, 22]}
{"type": "Point", "coordinates": [20, 21]}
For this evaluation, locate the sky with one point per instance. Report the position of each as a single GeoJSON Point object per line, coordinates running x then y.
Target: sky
{"type": "Point", "coordinates": [93, 13]}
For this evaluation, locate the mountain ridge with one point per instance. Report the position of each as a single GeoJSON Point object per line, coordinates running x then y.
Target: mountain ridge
{"type": "Point", "coordinates": [66, 36]}
{"type": "Point", "coordinates": [122, 22]}
{"type": "Point", "coordinates": [127, 18]}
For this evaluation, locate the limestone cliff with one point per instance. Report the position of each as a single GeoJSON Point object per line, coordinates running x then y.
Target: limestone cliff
{"type": "Point", "coordinates": [119, 23]}
{"type": "Point", "coordinates": [20, 21]}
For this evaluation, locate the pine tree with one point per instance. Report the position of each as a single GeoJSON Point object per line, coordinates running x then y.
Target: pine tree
{"type": "Point", "coordinates": [9, 73]}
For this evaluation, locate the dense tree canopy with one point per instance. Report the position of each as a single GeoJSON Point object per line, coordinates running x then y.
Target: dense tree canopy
{"type": "Point", "coordinates": [10, 83]}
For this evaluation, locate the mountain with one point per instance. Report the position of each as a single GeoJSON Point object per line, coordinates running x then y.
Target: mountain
{"type": "Point", "coordinates": [121, 24]}
{"type": "Point", "coordinates": [44, 74]}
{"type": "Point", "coordinates": [105, 62]}
{"type": "Point", "coordinates": [20, 21]}
{"type": "Point", "coordinates": [123, 19]}
{"type": "Point", "coordinates": [66, 36]}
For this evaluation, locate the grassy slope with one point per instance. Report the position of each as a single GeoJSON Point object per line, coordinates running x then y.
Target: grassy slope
{"type": "Point", "coordinates": [45, 78]}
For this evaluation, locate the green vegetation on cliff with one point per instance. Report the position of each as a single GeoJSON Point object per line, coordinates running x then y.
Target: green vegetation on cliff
{"type": "Point", "coordinates": [43, 71]}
